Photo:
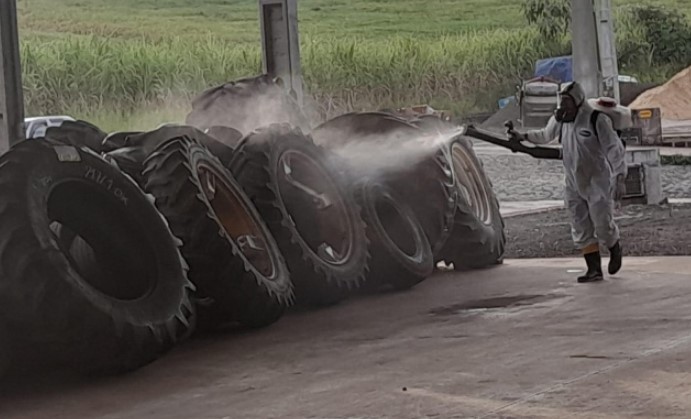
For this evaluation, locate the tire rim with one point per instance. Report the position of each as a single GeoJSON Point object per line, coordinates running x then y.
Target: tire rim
{"type": "Point", "coordinates": [471, 184]}
{"type": "Point", "coordinates": [237, 219]}
{"type": "Point", "coordinates": [315, 206]}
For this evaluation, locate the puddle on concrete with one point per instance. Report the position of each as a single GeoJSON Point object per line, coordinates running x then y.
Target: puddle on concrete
{"type": "Point", "coordinates": [496, 303]}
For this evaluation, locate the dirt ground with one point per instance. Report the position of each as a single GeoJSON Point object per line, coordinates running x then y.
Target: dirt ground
{"type": "Point", "coordinates": [646, 231]}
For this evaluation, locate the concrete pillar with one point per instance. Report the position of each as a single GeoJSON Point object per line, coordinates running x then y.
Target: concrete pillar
{"type": "Point", "coordinates": [11, 97]}
{"type": "Point", "coordinates": [608, 48]}
{"type": "Point", "coordinates": [586, 69]}
{"type": "Point", "coordinates": [281, 43]}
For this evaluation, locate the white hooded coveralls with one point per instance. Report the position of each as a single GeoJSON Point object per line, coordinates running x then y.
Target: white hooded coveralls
{"type": "Point", "coordinates": [592, 162]}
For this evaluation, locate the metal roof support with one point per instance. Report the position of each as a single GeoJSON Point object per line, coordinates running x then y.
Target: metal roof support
{"type": "Point", "coordinates": [281, 44]}
{"type": "Point", "coordinates": [584, 41]}
{"type": "Point", "coordinates": [11, 96]}
{"type": "Point", "coordinates": [608, 48]}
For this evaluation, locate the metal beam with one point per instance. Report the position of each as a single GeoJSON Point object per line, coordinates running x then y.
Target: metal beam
{"type": "Point", "coordinates": [608, 48]}
{"type": "Point", "coordinates": [281, 44]}
{"type": "Point", "coordinates": [586, 69]}
{"type": "Point", "coordinates": [11, 96]}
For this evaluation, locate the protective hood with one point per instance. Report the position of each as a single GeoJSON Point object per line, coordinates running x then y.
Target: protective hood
{"type": "Point", "coordinates": [575, 90]}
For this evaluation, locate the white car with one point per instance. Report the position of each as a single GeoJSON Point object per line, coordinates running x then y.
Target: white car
{"type": "Point", "coordinates": [35, 127]}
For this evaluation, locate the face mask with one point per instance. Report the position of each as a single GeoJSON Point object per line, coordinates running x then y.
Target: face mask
{"type": "Point", "coordinates": [565, 113]}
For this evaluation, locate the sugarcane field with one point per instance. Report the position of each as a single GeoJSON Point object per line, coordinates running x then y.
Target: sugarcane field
{"type": "Point", "coordinates": [366, 209]}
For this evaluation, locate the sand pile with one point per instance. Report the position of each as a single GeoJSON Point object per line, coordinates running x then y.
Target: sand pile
{"type": "Point", "coordinates": [673, 98]}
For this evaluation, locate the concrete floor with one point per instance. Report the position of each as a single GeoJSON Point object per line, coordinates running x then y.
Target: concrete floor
{"type": "Point", "coordinates": [519, 341]}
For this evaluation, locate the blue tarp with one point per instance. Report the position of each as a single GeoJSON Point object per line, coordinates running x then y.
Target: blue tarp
{"type": "Point", "coordinates": [557, 68]}
{"type": "Point", "coordinates": [504, 102]}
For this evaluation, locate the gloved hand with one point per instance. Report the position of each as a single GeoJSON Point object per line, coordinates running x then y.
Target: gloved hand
{"type": "Point", "coordinates": [513, 135]}
{"type": "Point", "coordinates": [619, 188]}
{"type": "Point", "coordinates": [516, 136]}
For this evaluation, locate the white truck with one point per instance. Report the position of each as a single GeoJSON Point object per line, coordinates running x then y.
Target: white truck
{"type": "Point", "coordinates": [35, 127]}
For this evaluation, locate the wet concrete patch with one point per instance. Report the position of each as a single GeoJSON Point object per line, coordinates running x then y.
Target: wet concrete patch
{"type": "Point", "coordinates": [494, 303]}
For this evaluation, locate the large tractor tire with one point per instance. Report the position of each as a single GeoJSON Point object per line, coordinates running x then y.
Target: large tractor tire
{"type": "Point", "coordinates": [434, 124]}
{"type": "Point", "coordinates": [239, 271]}
{"type": "Point", "coordinates": [5, 351]}
{"type": "Point", "coordinates": [401, 254]}
{"type": "Point", "coordinates": [147, 141]}
{"type": "Point", "coordinates": [309, 210]}
{"type": "Point", "coordinates": [117, 140]}
{"type": "Point", "coordinates": [419, 168]}
{"type": "Point", "coordinates": [131, 161]}
{"type": "Point", "coordinates": [227, 139]}
{"type": "Point", "coordinates": [233, 257]}
{"type": "Point", "coordinates": [478, 238]}
{"type": "Point", "coordinates": [245, 105]}
{"type": "Point", "coordinates": [130, 149]}
{"type": "Point", "coordinates": [138, 304]}
{"type": "Point", "coordinates": [78, 134]}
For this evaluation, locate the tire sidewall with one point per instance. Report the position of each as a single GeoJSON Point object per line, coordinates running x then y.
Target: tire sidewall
{"type": "Point", "coordinates": [280, 282]}
{"type": "Point", "coordinates": [344, 196]}
{"type": "Point", "coordinates": [275, 141]}
{"type": "Point", "coordinates": [435, 180]}
{"type": "Point", "coordinates": [492, 203]}
{"type": "Point", "coordinates": [57, 164]}
{"type": "Point", "coordinates": [420, 263]}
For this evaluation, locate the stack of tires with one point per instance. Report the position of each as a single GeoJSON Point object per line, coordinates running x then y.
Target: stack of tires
{"type": "Point", "coordinates": [428, 171]}
{"type": "Point", "coordinates": [114, 248]}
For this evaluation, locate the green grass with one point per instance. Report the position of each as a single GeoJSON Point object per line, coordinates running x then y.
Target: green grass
{"type": "Point", "coordinates": [237, 20]}
{"type": "Point", "coordinates": [135, 64]}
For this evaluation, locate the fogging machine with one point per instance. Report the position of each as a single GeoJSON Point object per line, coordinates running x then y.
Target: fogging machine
{"type": "Point", "coordinates": [515, 146]}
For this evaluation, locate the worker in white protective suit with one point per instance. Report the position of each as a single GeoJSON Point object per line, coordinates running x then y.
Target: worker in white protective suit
{"type": "Point", "coordinates": [595, 170]}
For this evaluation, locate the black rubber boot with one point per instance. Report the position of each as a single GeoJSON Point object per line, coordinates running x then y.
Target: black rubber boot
{"type": "Point", "coordinates": [614, 259]}
{"type": "Point", "coordinates": [594, 274]}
